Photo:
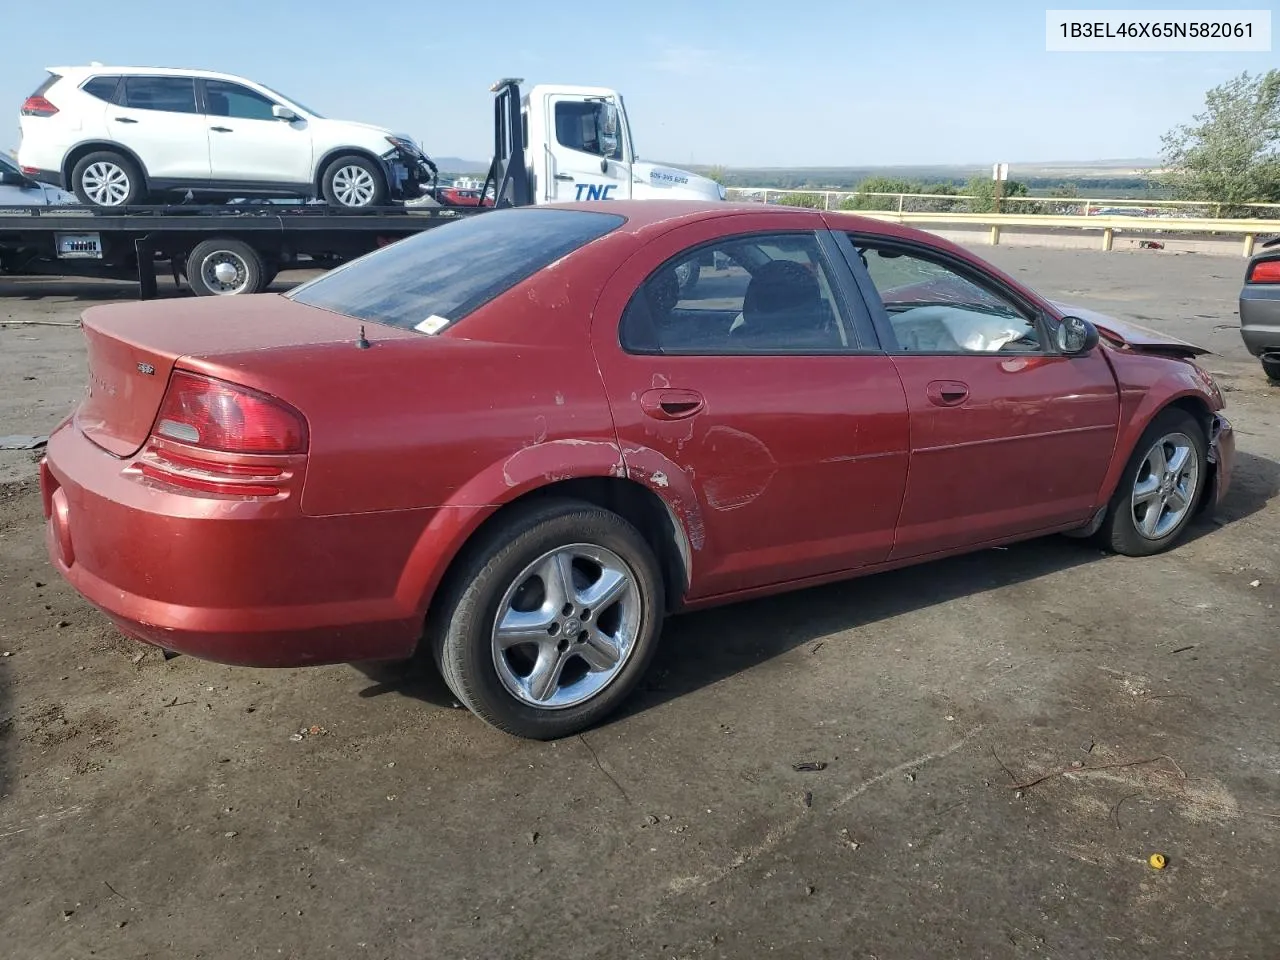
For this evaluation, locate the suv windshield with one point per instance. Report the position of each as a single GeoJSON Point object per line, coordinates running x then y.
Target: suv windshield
{"type": "Point", "coordinates": [435, 278]}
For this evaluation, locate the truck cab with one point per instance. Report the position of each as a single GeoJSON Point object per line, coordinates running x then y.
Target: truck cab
{"type": "Point", "coordinates": [574, 143]}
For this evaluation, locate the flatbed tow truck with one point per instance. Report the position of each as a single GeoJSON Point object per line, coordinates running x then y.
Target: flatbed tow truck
{"type": "Point", "coordinates": [557, 143]}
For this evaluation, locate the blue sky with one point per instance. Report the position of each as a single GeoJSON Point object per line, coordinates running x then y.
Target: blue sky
{"type": "Point", "coordinates": [742, 84]}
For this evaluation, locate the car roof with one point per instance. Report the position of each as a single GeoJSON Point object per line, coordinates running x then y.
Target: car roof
{"type": "Point", "coordinates": [641, 214]}
{"type": "Point", "coordinates": [82, 71]}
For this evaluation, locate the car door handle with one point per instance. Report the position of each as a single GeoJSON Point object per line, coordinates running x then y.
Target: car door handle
{"type": "Point", "coordinates": [671, 404]}
{"type": "Point", "coordinates": [125, 120]}
{"type": "Point", "coordinates": [564, 176]}
{"type": "Point", "coordinates": [947, 393]}
{"type": "Point", "coordinates": [221, 129]}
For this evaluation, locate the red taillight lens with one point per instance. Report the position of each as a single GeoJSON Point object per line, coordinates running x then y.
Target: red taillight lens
{"type": "Point", "coordinates": [215, 415]}
{"type": "Point", "coordinates": [1265, 271]}
{"type": "Point", "coordinates": [38, 107]}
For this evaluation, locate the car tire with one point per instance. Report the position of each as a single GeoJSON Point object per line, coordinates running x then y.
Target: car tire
{"type": "Point", "coordinates": [108, 179]}
{"type": "Point", "coordinates": [687, 275]}
{"type": "Point", "coordinates": [1153, 481]}
{"type": "Point", "coordinates": [353, 182]}
{"type": "Point", "coordinates": [225, 267]}
{"type": "Point", "coordinates": [1271, 368]}
{"type": "Point", "coordinates": [580, 664]}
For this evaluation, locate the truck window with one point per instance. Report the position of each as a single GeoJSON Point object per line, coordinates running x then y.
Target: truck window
{"type": "Point", "coordinates": [170, 94]}
{"type": "Point", "coordinates": [577, 125]}
{"type": "Point", "coordinates": [439, 276]}
{"type": "Point", "coordinates": [223, 99]}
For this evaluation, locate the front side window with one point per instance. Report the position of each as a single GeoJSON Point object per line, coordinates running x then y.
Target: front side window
{"type": "Point", "coordinates": [223, 99]}
{"type": "Point", "coordinates": [433, 279]}
{"type": "Point", "coordinates": [933, 308]}
{"type": "Point", "coordinates": [756, 294]}
{"type": "Point", "coordinates": [578, 128]}
{"type": "Point", "coordinates": [170, 94]}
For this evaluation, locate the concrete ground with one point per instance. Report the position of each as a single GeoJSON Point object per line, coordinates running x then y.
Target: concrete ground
{"type": "Point", "coordinates": [1007, 738]}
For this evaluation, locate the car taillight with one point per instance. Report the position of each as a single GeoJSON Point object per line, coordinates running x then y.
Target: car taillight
{"type": "Point", "coordinates": [1265, 271]}
{"type": "Point", "coordinates": [38, 107]}
{"type": "Point", "coordinates": [215, 415]}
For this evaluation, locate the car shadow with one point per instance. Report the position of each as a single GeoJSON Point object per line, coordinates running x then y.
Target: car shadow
{"type": "Point", "coordinates": [701, 648]}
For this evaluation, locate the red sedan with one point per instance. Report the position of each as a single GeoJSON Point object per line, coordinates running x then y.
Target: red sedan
{"type": "Point", "coordinates": [517, 442]}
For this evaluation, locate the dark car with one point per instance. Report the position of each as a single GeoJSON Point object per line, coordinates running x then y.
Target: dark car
{"type": "Point", "coordinates": [512, 443]}
{"type": "Point", "coordinates": [1260, 307]}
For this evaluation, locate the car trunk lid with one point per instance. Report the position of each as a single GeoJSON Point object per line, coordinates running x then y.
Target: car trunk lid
{"type": "Point", "coordinates": [132, 349]}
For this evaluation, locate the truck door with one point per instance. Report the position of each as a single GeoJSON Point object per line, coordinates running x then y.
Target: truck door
{"type": "Point", "coordinates": [585, 150]}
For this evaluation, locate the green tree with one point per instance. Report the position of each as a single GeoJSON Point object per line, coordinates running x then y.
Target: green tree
{"type": "Point", "coordinates": [719, 174]}
{"type": "Point", "coordinates": [983, 191]}
{"type": "Point", "coordinates": [814, 200]}
{"type": "Point", "coordinates": [1230, 153]}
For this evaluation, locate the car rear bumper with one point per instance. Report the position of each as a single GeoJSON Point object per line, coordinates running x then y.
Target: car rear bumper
{"type": "Point", "coordinates": [247, 581]}
{"type": "Point", "coordinates": [1260, 319]}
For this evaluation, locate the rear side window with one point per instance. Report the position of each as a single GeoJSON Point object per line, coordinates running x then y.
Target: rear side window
{"type": "Point", "coordinates": [223, 99]}
{"type": "Point", "coordinates": [435, 278]}
{"type": "Point", "coordinates": [170, 94]}
{"type": "Point", "coordinates": [104, 88]}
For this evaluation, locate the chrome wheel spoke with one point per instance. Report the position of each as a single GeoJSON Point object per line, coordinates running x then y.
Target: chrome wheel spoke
{"type": "Point", "coordinates": [604, 592]}
{"type": "Point", "coordinates": [545, 677]}
{"type": "Point", "coordinates": [517, 627]}
{"type": "Point", "coordinates": [1178, 499]}
{"type": "Point", "coordinates": [599, 651]}
{"type": "Point", "coordinates": [1156, 460]}
{"type": "Point", "coordinates": [1144, 491]}
{"type": "Point", "coordinates": [1178, 461]}
{"type": "Point", "coordinates": [1150, 521]}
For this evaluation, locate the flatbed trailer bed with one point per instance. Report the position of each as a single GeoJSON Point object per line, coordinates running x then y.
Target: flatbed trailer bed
{"type": "Point", "coordinates": [228, 248]}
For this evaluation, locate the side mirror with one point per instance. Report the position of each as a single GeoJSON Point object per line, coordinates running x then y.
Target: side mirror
{"type": "Point", "coordinates": [607, 129]}
{"type": "Point", "coordinates": [1076, 336]}
{"type": "Point", "coordinates": [12, 178]}
{"type": "Point", "coordinates": [283, 113]}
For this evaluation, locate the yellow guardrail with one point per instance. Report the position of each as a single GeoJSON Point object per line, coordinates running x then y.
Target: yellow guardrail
{"type": "Point", "coordinates": [1248, 230]}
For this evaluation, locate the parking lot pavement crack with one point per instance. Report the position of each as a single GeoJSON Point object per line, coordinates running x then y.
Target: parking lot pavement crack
{"type": "Point", "coordinates": [600, 766]}
{"type": "Point", "coordinates": [783, 831]}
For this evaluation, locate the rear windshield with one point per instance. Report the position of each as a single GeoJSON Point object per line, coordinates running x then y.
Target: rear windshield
{"type": "Point", "coordinates": [435, 278]}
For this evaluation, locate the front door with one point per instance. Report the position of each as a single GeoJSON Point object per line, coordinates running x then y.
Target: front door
{"type": "Point", "coordinates": [1008, 437]}
{"type": "Point", "coordinates": [246, 141]}
{"type": "Point", "coordinates": [157, 119]}
{"type": "Point", "coordinates": [583, 162]}
{"type": "Point", "coordinates": [748, 385]}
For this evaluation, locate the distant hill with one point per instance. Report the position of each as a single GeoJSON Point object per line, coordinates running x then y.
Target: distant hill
{"type": "Point", "coordinates": [1128, 173]}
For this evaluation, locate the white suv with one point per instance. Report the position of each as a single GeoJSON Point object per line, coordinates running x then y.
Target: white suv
{"type": "Point", "coordinates": [117, 136]}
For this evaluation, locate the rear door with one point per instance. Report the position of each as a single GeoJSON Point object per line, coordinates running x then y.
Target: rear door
{"type": "Point", "coordinates": [156, 118]}
{"type": "Point", "coordinates": [583, 165]}
{"type": "Point", "coordinates": [246, 141]}
{"type": "Point", "coordinates": [754, 401]}
{"type": "Point", "coordinates": [1008, 437]}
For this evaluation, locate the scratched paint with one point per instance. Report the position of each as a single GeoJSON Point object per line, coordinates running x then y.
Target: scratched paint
{"type": "Point", "coordinates": [744, 465]}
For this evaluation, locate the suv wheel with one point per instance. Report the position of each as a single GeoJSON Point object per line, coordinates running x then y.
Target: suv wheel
{"type": "Point", "coordinates": [353, 181]}
{"type": "Point", "coordinates": [107, 179]}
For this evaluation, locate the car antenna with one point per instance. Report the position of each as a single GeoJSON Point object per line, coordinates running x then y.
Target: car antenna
{"type": "Point", "coordinates": [362, 343]}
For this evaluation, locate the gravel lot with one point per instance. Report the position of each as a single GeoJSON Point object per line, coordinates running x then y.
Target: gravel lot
{"type": "Point", "coordinates": [168, 809]}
